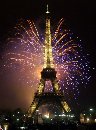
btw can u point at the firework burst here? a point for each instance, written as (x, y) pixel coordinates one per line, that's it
(25, 54)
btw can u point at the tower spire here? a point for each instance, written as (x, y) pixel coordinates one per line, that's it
(48, 58)
(47, 12)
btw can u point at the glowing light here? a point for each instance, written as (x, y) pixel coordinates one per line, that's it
(17, 119)
(46, 115)
(88, 119)
(6, 126)
(91, 109)
(84, 114)
(22, 128)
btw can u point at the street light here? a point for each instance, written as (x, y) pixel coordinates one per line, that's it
(91, 109)
(17, 119)
(88, 119)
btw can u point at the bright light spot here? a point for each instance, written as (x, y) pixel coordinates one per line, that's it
(84, 114)
(88, 119)
(5, 127)
(46, 115)
(37, 110)
(17, 119)
(91, 109)
(63, 115)
(72, 116)
(22, 128)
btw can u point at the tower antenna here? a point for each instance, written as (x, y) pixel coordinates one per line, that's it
(47, 12)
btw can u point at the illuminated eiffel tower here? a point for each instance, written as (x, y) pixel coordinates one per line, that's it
(48, 74)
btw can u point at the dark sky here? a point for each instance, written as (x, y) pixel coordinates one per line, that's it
(80, 17)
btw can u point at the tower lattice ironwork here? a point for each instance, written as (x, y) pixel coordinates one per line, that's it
(48, 74)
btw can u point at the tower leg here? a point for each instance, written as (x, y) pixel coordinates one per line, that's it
(35, 102)
(56, 86)
(57, 91)
(41, 86)
(65, 106)
(32, 108)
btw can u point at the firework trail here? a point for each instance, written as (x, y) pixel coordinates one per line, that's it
(25, 52)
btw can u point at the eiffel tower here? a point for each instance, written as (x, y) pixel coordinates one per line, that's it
(48, 74)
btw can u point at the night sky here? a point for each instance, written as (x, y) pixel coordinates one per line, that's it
(80, 18)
